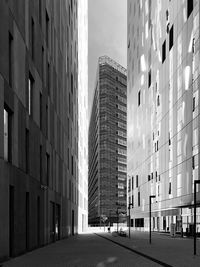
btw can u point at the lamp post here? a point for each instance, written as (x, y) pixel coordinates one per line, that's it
(129, 218)
(150, 197)
(195, 206)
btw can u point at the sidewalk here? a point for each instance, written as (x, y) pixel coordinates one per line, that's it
(174, 251)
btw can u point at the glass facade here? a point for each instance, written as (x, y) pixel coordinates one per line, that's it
(163, 110)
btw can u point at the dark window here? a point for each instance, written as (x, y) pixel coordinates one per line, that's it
(136, 181)
(152, 175)
(138, 199)
(171, 37)
(27, 150)
(32, 38)
(158, 101)
(193, 109)
(132, 200)
(170, 188)
(164, 51)
(132, 182)
(139, 98)
(189, 7)
(40, 111)
(47, 29)
(40, 12)
(43, 63)
(47, 168)
(10, 59)
(48, 77)
(72, 165)
(40, 164)
(47, 120)
(30, 94)
(149, 177)
(72, 83)
(149, 79)
(7, 134)
(193, 165)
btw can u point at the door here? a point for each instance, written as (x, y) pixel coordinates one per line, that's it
(52, 222)
(57, 224)
(27, 220)
(72, 222)
(11, 221)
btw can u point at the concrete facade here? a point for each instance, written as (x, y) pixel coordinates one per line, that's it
(107, 145)
(163, 112)
(38, 123)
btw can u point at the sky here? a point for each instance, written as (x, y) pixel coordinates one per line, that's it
(107, 35)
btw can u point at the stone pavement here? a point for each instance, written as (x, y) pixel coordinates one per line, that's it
(86, 250)
(174, 251)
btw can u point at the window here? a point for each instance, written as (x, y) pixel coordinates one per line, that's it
(193, 109)
(138, 199)
(32, 38)
(72, 165)
(47, 120)
(193, 165)
(149, 177)
(164, 51)
(47, 29)
(27, 150)
(30, 94)
(189, 7)
(47, 168)
(132, 182)
(158, 100)
(40, 164)
(43, 63)
(40, 12)
(7, 135)
(40, 111)
(136, 181)
(72, 83)
(139, 98)
(170, 188)
(149, 79)
(48, 77)
(10, 59)
(171, 37)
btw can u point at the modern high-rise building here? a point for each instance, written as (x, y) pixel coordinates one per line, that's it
(107, 145)
(163, 112)
(38, 123)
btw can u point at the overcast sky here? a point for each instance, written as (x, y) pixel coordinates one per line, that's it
(107, 35)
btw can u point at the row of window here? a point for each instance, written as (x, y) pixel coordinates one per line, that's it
(8, 132)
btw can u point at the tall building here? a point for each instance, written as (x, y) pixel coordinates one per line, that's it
(163, 112)
(83, 115)
(38, 123)
(107, 145)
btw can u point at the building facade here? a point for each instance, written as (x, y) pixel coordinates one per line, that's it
(163, 112)
(107, 145)
(38, 123)
(83, 115)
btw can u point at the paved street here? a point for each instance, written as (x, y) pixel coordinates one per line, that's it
(174, 251)
(86, 250)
